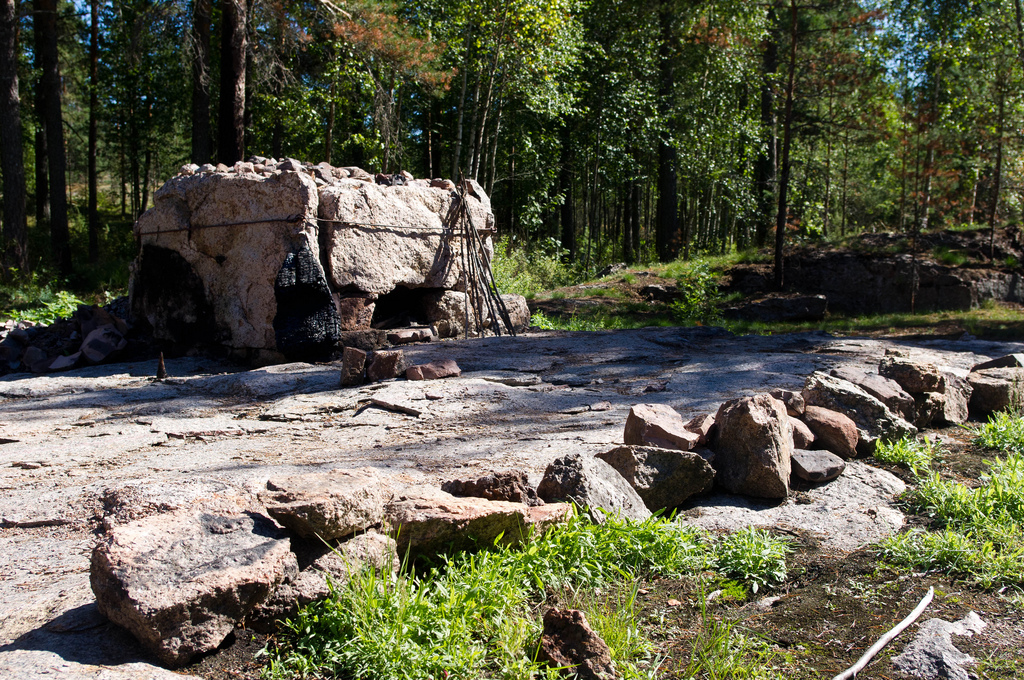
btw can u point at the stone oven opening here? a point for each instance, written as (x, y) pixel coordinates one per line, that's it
(403, 307)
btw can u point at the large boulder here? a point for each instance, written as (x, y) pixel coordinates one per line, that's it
(659, 426)
(377, 238)
(218, 252)
(427, 520)
(327, 504)
(753, 447)
(663, 478)
(591, 483)
(873, 418)
(996, 389)
(181, 581)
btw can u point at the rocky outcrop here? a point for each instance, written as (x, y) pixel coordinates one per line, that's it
(753, 447)
(181, 581)
(377, 238)
(276, 260)
(329, 504)
(663, 478)
(211, 250)
(591, 483)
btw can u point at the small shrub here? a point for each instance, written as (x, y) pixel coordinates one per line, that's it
(525, 272)
(699, 301)
(59, 305)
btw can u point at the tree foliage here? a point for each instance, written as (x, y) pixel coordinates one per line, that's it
(609, 130)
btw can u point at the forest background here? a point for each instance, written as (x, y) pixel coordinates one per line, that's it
(604, 130)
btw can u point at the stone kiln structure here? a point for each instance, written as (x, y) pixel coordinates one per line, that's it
(276, 260)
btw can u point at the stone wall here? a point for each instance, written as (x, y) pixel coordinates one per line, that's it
(275, 260)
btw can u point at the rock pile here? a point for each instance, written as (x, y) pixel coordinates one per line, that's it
(183, 568)
(180, 568)
(91, 336)
(281, 259)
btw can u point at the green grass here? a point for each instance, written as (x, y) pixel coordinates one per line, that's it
(596, 321)
(478, 615)
(991, 321)
(979, 531)
(1004, 431)
(916, 456)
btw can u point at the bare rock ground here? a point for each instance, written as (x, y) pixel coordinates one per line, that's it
(520, 403)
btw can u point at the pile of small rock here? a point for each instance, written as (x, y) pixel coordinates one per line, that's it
(91, 336)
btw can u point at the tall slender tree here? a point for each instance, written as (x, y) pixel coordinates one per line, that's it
(201, 81)
(94, 60)
(13, 253)
(231, 121)
(47, 23)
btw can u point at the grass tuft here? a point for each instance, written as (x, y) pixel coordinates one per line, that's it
(980, 531)
(912, 454)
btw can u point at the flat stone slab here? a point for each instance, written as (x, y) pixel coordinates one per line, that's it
(817, 466)
(849, 513)
(328, 504)
(425, 519)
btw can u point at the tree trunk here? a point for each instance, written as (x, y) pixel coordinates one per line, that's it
(457, 153)
(766, 166)
(471, 154)
(42, 175)
(147, 164)
(568, 217)
(668, 208)
(46, 16)
(12, 166)
(201, 10)
(231, 121)
(787, 134)
(998, 177)
(94, 56)
(329, 135)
